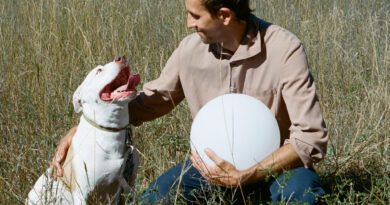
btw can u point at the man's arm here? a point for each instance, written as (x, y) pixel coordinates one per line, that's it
(284, 158)
(62, 150)
(159, 96)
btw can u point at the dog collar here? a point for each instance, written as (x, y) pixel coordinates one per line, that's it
(108, 129)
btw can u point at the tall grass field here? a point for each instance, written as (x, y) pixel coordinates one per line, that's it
(48, 46)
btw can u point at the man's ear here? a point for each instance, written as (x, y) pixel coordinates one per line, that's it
(226, 15)
(77, 99)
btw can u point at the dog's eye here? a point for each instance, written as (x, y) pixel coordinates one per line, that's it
(98, 71)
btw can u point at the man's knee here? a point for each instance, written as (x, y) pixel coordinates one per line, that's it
(298, 185)
(182, 176)
(159, 190)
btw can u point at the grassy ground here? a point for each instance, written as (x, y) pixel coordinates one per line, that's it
(47, 46)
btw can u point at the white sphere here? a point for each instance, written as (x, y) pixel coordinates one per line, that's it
(238, 128)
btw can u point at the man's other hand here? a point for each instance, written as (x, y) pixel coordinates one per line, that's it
(60, 155)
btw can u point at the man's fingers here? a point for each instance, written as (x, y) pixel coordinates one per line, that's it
(214, 174)
(56, 168)
(59, 159)
(194, 162)
(60, 155)
(198, 162)
(58, 171)
(61, 151)
(214, 157)
(200, 165)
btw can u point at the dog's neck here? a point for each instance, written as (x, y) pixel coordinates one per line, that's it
(111, 116)
(100, 127)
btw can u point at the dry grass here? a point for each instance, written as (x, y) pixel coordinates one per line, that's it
(47, 46)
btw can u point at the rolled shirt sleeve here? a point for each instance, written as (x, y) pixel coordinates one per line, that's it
(308, 133)
(159, 96)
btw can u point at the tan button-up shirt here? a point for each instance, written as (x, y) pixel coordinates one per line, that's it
(270, 64)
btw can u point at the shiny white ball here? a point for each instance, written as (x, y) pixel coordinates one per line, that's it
(238, 128)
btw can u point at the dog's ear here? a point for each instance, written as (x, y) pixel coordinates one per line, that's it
(77, 100)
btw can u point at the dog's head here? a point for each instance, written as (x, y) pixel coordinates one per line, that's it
(106, 89)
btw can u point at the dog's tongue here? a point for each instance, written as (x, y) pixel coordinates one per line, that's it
(123, 91)
(133, 81)
(127, 89)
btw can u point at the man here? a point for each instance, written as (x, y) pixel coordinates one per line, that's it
(233, 51)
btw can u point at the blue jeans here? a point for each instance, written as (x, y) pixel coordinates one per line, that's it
(185, 183)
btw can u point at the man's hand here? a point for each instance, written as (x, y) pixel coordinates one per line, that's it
(223, 174)
(62, 150)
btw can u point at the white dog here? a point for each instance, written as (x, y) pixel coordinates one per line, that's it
(93, 169)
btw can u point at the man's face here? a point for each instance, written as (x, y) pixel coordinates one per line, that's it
(207, 26)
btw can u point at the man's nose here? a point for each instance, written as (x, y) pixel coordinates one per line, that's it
(190, 21)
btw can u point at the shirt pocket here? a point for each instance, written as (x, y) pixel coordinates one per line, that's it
(265, 96)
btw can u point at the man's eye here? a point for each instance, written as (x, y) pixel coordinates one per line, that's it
(195, 16)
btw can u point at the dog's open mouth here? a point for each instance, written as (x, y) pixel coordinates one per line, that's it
(123, 86)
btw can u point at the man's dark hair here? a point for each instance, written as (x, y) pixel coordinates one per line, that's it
(239, 7)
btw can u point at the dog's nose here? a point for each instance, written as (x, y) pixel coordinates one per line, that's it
(120, 59)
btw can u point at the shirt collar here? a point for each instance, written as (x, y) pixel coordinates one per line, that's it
(250, 45)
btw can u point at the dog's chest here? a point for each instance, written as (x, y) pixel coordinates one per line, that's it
(98, 155)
